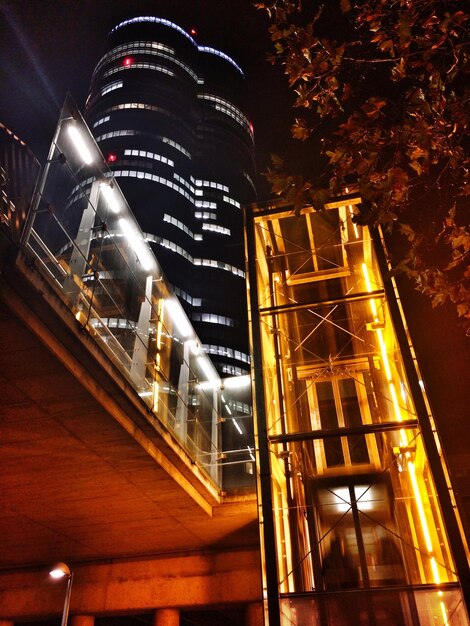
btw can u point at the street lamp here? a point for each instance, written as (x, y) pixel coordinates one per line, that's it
(61, 570)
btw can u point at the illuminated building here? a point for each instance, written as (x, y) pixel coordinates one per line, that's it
(167, 115)
(18, 172)
(358, 519)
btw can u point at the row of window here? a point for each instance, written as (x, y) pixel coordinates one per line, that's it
(205, 215)
(231, 370)
(101, 120)
(150, 155)
(221, 266)
(139, 66)
(240, 407)
(187, 297)
(229, 109)
(125, 48)
(232, 201)
(177, 177)
(210, 183)
(138, 105)
(147, 47)
(184, 182)
(216, 229)
(126, 133)
(79, 191)
(228, 352)
(117, 84)
(165, 22)
(154, 178)
(205, 204)
(176, 145)
(212, 318)
(171, 245)
(196, 236)
(172, 220)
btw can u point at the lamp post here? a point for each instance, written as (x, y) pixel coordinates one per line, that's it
(61, 570)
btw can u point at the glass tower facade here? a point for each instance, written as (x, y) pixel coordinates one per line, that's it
(167, 115)
(358, 521)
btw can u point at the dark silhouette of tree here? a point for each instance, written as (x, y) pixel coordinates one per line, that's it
(384, 91)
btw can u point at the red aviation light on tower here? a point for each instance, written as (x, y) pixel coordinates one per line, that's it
(111, 158)
(128, 61)
(193, 32)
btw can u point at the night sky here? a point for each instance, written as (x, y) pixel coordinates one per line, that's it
(50, 47)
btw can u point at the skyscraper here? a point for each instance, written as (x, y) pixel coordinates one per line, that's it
(167, 115)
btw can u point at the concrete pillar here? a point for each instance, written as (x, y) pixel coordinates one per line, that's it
(254, 614)
(81, 620)
(166, 617)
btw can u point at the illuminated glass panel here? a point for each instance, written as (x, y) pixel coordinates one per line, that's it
(355, 506)
(216, 229)
(228, 352)
(148, 48)
(226, 107)
(205, 215)
(232, 201)
(172, 220)
(111, 87)
(139, 66)
(149, 155)
(212, 318)
(211, 184)
(101, 120)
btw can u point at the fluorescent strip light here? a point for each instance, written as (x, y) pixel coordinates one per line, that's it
(110, 197)
(178, 317)
(138, 244)
(207, 368)
(80, 144)
(234, 382)
(237, 426)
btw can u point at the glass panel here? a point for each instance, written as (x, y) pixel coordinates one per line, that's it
(329, 419)
(380, 608)
(357, 444)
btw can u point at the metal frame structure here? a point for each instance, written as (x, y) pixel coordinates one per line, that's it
(356, 512)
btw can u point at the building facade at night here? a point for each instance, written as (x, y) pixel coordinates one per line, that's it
(167, 115)
(359, 518)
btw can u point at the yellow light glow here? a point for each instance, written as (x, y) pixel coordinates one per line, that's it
(373, 308)
(404, 441)
(396, 405)
(160, 324)
(423, 520)
(444, 612)
(383, 351)
(156, 391)
(365, 272)
(351, 213)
